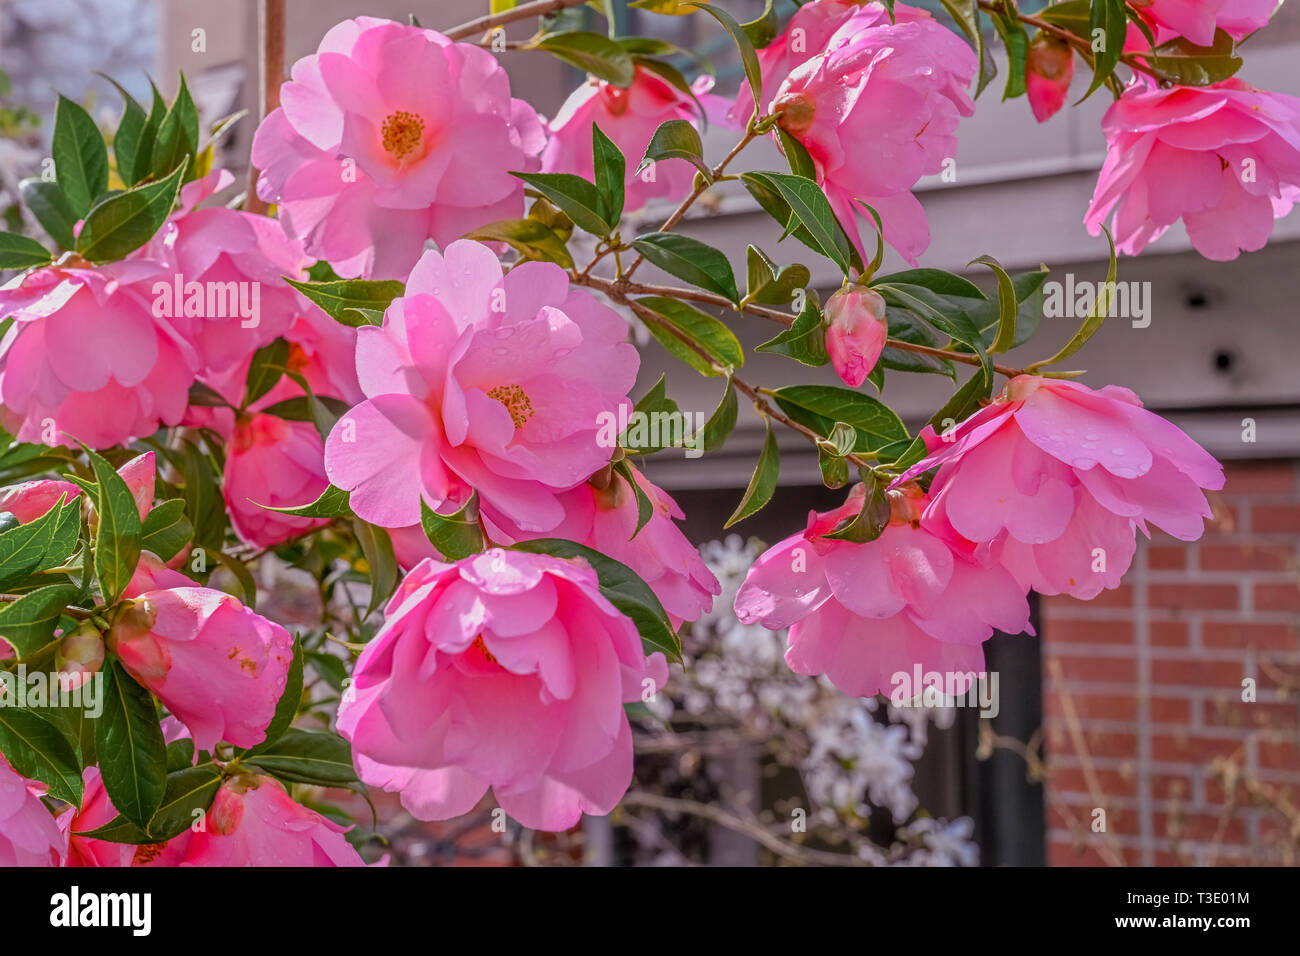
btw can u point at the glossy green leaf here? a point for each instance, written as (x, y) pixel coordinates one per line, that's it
(117, 541)
(19, 252)
(46, 201)
(577, 198)
(28, 622)
(455, 535)
(342, 299)
(80, 156)
(687, 324)
(132, 752)
(819, 407)
(690, 260)
(308, 756)
(38, 749)
(592, 52)
(676, 139)
(762, 484)
(126, 221)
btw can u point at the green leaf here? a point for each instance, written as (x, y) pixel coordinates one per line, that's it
(332, 503)
(529, 237)
(812, 209)
(49, 205)
(804, 341)
(762, 484)
(966, 13)
(610, 169)
(592, 52)
(456, 535)
(576, 198)
(80, 157)
(705, 332)
(132, 752)
(187, 789)
(178, 136)
(166, 530)
(676, 139)
(936, 280)
(1007, 305)
(1190, 65)
(819, 407)
(180, 754)
(768, 285)
(28, 623)
(267, 367)
(19, 252)
(341, 299)
(645, 508)
(127, 138)
(690, 260)
(117, 542)
(722, 422)
(1091, 323)
(748, 58)
(623, 588)
(1016, 40)
(39, 750)
(654, 403)
(963, 402)
(869, 523)
(242, 575)
(308, 756)
(144, 154)
(1108, 16)
(27, 548)
(835, 470)
(932, 309)
(286, 709)
(123, 223)
(377, 548)
(874, 264)
(763, 29)
(797, 155)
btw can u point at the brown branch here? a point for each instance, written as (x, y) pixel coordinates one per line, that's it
(480, 25)
(271, 68)
(1078, 42)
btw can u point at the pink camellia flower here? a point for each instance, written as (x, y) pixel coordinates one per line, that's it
(225, 289)
(254, 822)
(277, 463)
(479, 381)
(1197, 20)
(96, 810)
(390, 135)
(875, 103)
(1052, 478)
(1049, 70)
(1224, 158)
(864, 613)
(214, 663)
(505, 670)
(29, 835)
(32, 499)
(629, 117)
(856, 333)
(85, 358)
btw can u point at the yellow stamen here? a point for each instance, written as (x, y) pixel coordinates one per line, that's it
(402, 134)
(516, 401)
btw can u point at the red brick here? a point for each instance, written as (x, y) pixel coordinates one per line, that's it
(1114, 670)
(1121, 596)
(1248, 634)
(1097, 706)
(1080, 631)
(1111, 783)
(1171, 786)
(1170, 710)
(1261, 478)
(1274, 519)
(1185, 748)
(1226, 520)
(1192, 597)
(1249, 556)
(1277, 597)
(1061, 852)
(1197, 673)
(1168, 634)
(1167, 558)
(1199, 827)
(1279, 754)
(1234, 712)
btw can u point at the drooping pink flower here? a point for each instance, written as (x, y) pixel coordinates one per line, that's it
(875, 103)
(629, 117)
(1197, 20)
(225, 286)
(254, 822)
(505, 670)
(390, 135)
(1224, 158)
(214, 663)
(1049, 70)
(479, 381)
(29, 835)
(856, 333)
(1052, 479)
(863, 613)
(277, 463)
(96, 810)
(32, 499)
(85, 358)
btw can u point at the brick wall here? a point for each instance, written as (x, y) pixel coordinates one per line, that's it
(1144, 715)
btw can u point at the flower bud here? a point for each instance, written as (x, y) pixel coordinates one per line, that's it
(80, 653)
(796, 110)
(1049, 68)
(856, 332)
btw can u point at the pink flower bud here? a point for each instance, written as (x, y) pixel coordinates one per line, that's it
(856, 333)
(1049, 68)
(81, 653)
(797, 111)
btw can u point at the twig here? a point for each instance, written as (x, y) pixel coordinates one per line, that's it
(538, 8)
(271, 67)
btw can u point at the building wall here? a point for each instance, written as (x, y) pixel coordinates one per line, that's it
(1145, 712)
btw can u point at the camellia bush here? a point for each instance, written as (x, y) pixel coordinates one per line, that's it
(401, 370)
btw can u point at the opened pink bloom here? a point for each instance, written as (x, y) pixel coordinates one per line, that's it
(479, 381)
(876, 104)
(856, 333)
(277, 463)
(1223, 158)
(29, 835)
(863, 613)
(1053, 478)
(96, 810)
(505, 670)
(1197, 20)
(390, 135)
(214, 663)
(32, 499)
(86, 358)
(226, 287)
(629, 117)
(254, 822)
